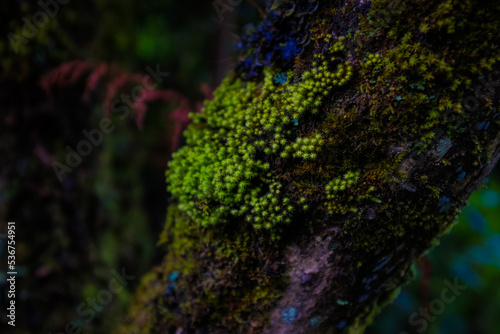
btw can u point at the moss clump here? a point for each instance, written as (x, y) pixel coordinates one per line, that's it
(344, 195)
(226, 169)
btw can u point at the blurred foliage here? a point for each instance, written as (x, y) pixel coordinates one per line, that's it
(107, 213)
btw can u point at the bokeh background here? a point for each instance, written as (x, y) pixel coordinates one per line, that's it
(107, 213)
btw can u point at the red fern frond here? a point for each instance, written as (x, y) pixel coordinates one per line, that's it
(65, 75)
(114, 81)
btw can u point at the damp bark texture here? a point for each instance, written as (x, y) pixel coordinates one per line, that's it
(344, 143)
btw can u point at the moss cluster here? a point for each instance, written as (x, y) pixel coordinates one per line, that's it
(225, 169)
(305, 148)
(341, 184)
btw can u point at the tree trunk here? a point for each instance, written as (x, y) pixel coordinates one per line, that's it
(342, 146)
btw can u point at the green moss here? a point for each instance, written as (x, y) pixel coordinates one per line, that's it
(353, 145)
(322, 129)
(226, 169)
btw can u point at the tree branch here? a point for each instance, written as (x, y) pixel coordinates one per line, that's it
(343, 145)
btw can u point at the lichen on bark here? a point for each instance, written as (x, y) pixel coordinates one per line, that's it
(338, 151)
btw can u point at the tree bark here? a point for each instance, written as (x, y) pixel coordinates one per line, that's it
(409, 130)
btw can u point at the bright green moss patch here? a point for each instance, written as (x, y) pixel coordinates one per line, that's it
(226, 169)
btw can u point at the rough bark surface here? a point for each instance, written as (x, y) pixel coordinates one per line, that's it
(369, 122)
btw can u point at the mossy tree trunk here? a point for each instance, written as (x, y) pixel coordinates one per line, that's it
(342, 146)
